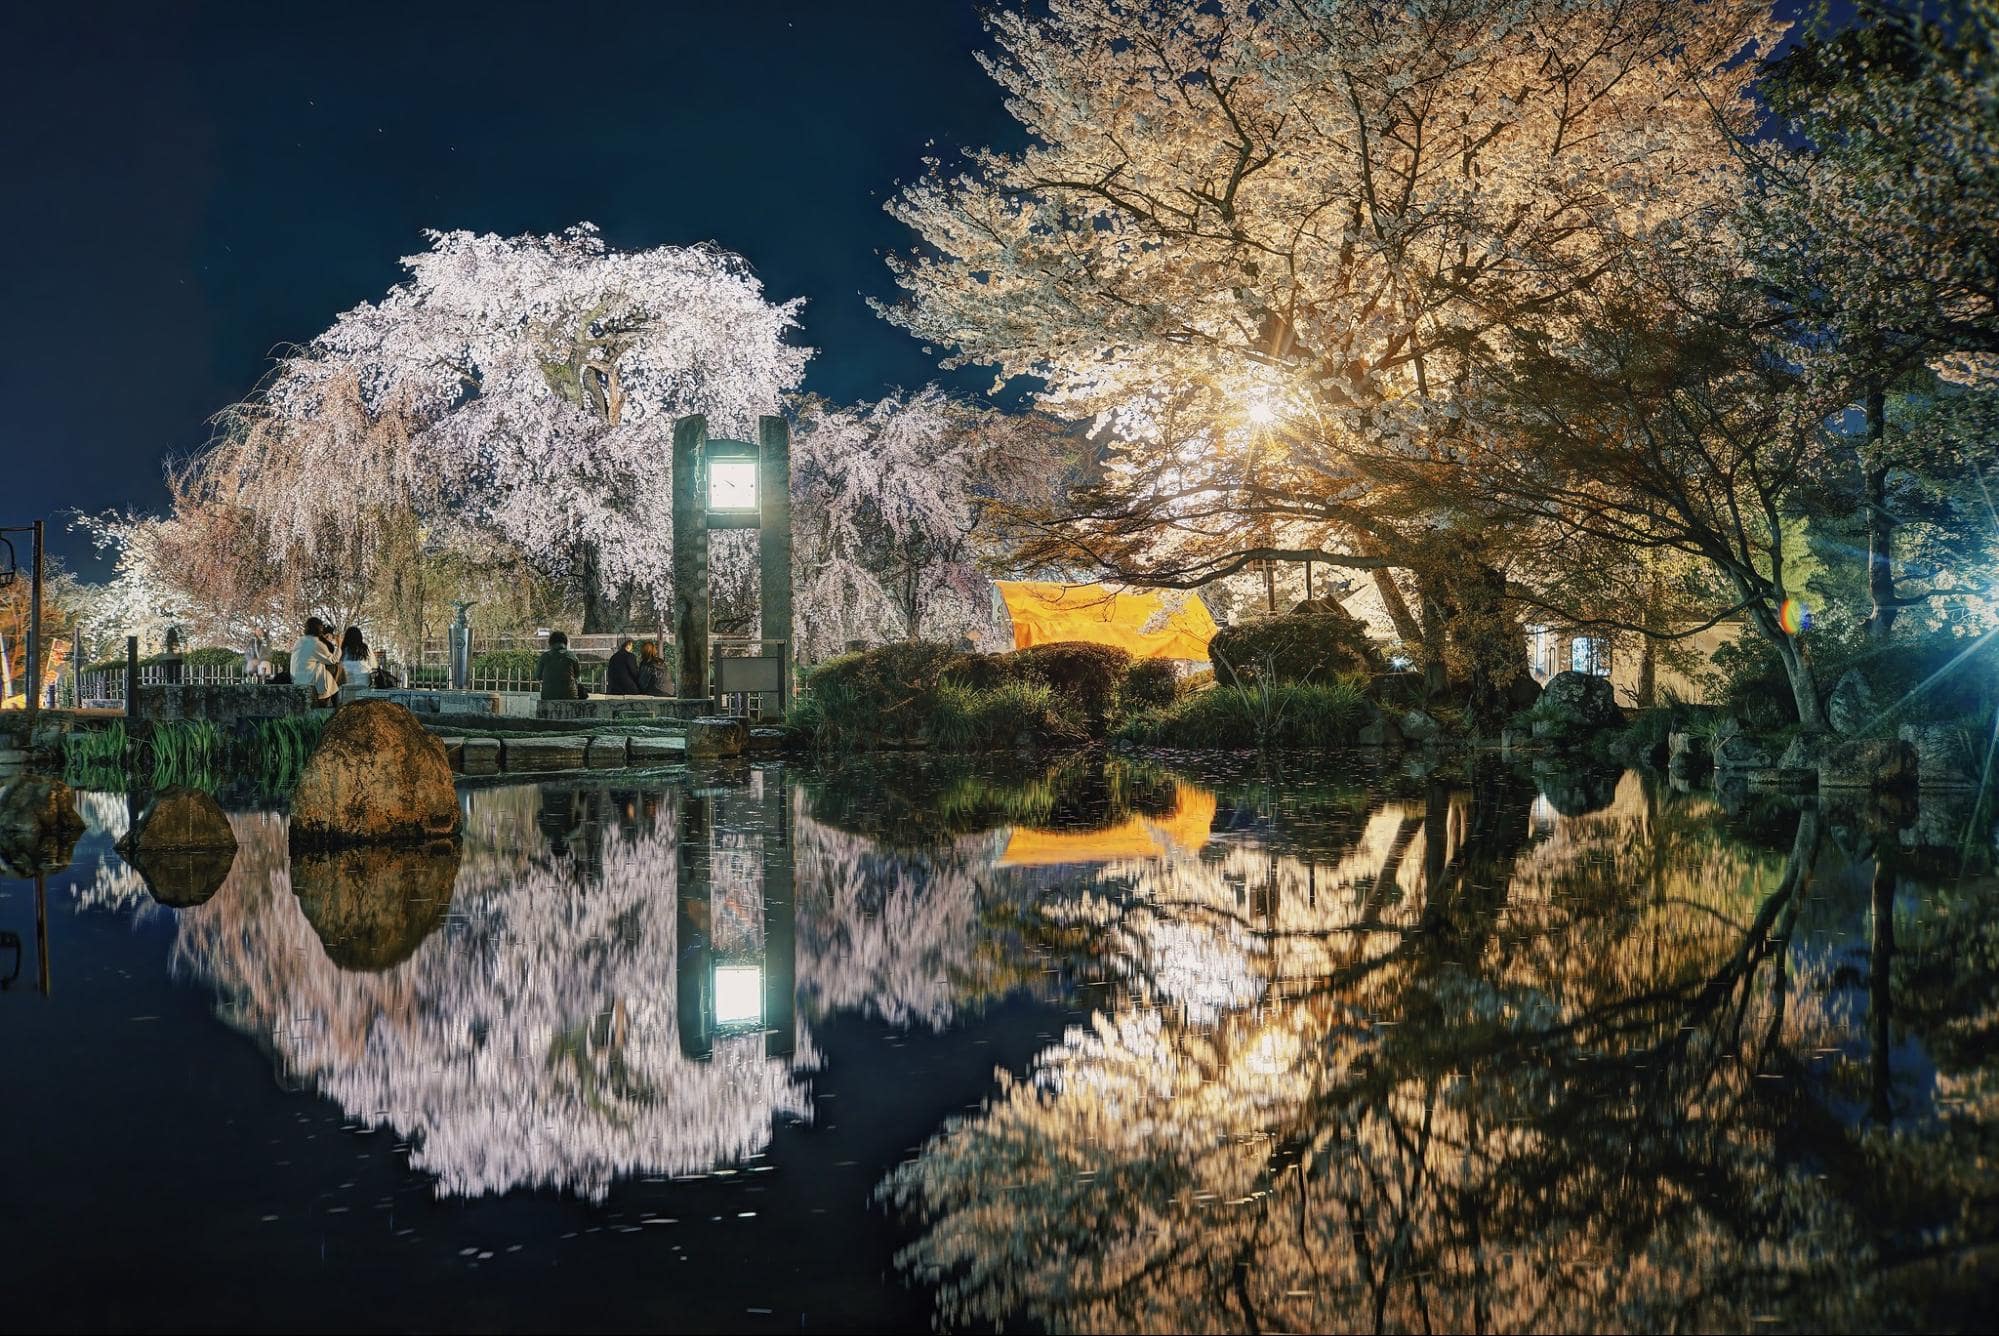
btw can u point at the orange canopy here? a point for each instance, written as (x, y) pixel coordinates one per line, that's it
(1185, 827)
(1137, 621)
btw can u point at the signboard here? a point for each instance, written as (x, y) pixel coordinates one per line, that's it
(758, 674)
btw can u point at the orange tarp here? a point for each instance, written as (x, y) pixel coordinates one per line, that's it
(1134, 620)
(1185, 827)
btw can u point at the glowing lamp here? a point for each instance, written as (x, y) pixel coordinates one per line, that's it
(739, 995)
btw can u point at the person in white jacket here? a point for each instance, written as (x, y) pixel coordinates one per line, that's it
(314, 662)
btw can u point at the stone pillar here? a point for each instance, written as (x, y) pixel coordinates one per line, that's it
(131, 677)
(780, 917)
(774, 542)
(690, 555)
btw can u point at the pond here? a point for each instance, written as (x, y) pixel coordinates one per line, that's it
(1082, 1044)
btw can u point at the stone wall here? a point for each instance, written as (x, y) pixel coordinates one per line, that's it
(224, 704)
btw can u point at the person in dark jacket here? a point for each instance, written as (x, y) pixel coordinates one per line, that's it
(560, 671)
(622, 679)
(652, 671)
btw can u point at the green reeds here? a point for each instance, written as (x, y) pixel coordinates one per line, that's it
(186, 752)
(279, 748)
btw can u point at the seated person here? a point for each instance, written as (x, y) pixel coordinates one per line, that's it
(560, 671)
(652, 671)
(316, 664)
(622, 679)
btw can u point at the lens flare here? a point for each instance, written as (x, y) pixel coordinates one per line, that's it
(1794, 617)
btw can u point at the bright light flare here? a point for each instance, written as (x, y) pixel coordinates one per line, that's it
(739, 995)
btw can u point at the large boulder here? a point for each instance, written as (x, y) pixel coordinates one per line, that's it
(179, 818)
(38, 823)
(1523, 693)
(1945, 755)
(182, 847)
(376, 777)
(1868, 763)
(1417, 726)
(372, 907)
(714, 737)
(1579, 702)
(1741, 751)
(1852, 706)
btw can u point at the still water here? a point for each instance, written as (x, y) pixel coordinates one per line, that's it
(1086, 1045)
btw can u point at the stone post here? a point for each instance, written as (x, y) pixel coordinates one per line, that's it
(459, 640)
(131, 677)
(774, 544)
(690, 555)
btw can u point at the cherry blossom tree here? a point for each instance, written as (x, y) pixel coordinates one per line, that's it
(890, 499)
(1263, 245)
(543, 376)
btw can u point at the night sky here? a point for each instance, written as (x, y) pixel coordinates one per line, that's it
(191, 186)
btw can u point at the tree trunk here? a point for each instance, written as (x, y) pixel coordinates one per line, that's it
(1804, 685)
(1398, 607)
(596, 612)
(1647, 692)
(1436, 677)
(1880, 524)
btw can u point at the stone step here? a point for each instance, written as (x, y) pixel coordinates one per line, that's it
(539, 752)
(606, 753)
(652, 751)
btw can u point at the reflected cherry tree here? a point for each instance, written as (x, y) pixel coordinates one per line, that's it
(530, 1039)
(1479, 1067)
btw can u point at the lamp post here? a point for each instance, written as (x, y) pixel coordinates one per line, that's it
(728, 484)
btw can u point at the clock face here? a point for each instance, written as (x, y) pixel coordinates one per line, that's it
(732, 484)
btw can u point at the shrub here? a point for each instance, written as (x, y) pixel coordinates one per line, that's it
(1150, 685)
(505, 664)
(1296, 647)
(877, 696)
(1282, 716)
(1087, 675)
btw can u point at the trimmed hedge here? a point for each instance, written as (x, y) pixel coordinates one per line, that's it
(1088, 676)
(921, 693)
(1152, 684)
(208, 656)
(1295, 647)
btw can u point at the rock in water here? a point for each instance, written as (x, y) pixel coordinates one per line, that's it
(1580, 701)
(1851, 706)
(179, 818)
(184, 878)
(712, 737)
(373, 907)
(38, 823)
(376, 777)
(1419, 727)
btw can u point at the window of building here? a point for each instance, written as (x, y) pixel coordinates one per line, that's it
(1590, 654)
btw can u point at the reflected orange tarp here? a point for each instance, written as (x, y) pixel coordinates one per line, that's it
(1044, 612)
(1186, 827)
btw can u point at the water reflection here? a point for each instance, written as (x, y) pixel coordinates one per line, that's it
(1360, 1052)
(1444, 1074)
(530, 1039)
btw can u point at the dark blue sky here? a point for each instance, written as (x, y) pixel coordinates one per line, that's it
(191, 185)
